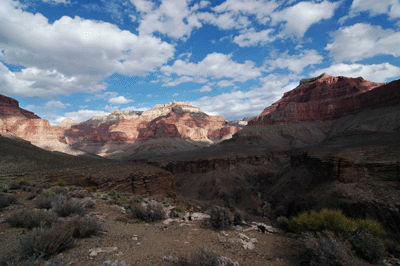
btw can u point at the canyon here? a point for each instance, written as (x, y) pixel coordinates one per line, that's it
(330, 142)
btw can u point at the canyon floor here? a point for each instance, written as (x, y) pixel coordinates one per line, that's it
(147, 243)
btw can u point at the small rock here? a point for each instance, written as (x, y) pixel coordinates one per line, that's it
(94, 251)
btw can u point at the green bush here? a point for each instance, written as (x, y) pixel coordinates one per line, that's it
(24, 182)
(91, 189)
(179, 209)
(61, 183)
(48, 193)
(113, 193)
(334, 221)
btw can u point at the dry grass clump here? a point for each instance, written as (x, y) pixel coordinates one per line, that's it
(43, 242)
(368, 246)
(201, 257)
(83, 227)
(4, 187)
(43, 202)
(220, 217)
(30, 218)
(324, 249)
(149, 213)
(6, 200)
(65, 206)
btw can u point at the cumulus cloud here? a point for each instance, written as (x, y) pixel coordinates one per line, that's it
(173, 18)
(119, 100)
(205, 88)
(390, 7)
(57, 1)
(252, 38)
(225, 83)
(35, 82)
(77, 48)
(84, 115)
(239, 104)
(295, 63)
(177, 81)
(361, 41)
(301, 16)
(54, 104)
(215, 65)
(376, 72)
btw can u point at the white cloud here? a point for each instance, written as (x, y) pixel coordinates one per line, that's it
(301, 16)
(252, 38)
(225, 83)
(175, 94)
(224, 21)
(376, 72)
(54, 104)
(239, 104)
(84, 115)
(173, 18)
(374, 7)
(295, 63)
(205, 88)
(215, 65)
(361, 41)
(177, 81)
(119, 100)
(260, 8)
(79, 49)
(34, 82)
(57, 1)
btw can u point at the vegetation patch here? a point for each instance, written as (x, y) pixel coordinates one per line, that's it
(65, 206)
(220, 217)
(83, 227)
(6, 200)
(30, 218)
(44, 242)
(149, 213)
(201, 257)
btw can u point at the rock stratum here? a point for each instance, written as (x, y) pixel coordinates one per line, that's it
(167, 128)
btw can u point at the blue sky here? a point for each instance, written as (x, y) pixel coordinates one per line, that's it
(78, 59)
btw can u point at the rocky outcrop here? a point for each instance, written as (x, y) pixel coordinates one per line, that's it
(167, 128)
(10, 108)
(324, 97)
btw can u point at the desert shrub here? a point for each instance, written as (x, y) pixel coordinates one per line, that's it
(220, 217)
(24, 182)
(12, 261)
(335, 221)
(31, 196)
(373, 226)
(120, 201)
(148, 213)
(48, 193)
(323, 249)
(30, 218)
(83, 227)
(91, 189)
(6, 200)
(368, 246)
(283, 222)
(112, 193)
(14, 186)
(43, 242)
(43, 202)
(202, 257)
(115, 263)
(59, 190)
(237, 218)
(65, 206)
(179, 209)
(326, 219)
(4, 187)
(88, 203)
(61, 183)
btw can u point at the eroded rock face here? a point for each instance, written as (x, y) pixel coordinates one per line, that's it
(167, 128)
(10, 108)
(324, 97)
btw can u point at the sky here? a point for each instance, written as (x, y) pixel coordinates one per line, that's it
(84, 58)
